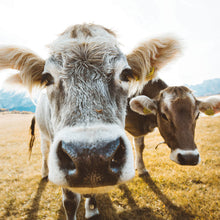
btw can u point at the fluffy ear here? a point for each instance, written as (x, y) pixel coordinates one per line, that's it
(152, 55)
(30, 66)
(210, 106)
(143, 105)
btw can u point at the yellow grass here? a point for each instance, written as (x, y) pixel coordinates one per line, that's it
(170, 192)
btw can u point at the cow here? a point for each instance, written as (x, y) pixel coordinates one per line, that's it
(85, 84)
(174, 110)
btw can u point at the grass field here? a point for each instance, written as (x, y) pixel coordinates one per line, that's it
(170, 192)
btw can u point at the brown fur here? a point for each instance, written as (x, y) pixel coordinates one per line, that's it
(178, 130)
(86, 32)
(178, 91)
(32, 130)
(140, 125)
(84, 29)
(30, 65)
(154, 53)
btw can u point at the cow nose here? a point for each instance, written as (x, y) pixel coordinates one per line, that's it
(92, 164)
(188, 159)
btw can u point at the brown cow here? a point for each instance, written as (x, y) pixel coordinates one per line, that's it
(174, 110)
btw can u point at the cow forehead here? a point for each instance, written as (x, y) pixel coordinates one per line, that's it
(86, 33)
(86, 45)
(86, 66)
(184, 97)
(87, 55)
(87, 30)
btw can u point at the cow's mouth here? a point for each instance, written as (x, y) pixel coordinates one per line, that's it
(185, 157)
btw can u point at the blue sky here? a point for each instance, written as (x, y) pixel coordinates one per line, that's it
(196, 23)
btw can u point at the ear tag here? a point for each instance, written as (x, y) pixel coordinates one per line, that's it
(136, 77)
(146, 111)
(151, 73)
(209, 111)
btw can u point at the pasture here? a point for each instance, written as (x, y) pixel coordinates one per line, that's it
(170, 192)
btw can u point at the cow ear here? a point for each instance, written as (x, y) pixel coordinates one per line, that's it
(30, 66)
(210, 106)
(152, 55)
(143, 105)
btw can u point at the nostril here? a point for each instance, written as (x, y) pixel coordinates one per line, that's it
(195, 160)
(188, 159)
(118, 159)
(181, 158)
(65, 159)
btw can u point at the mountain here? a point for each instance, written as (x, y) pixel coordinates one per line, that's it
(20, 102)
(206, 88)
(12, 101)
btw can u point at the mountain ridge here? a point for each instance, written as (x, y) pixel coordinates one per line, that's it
(21, 102)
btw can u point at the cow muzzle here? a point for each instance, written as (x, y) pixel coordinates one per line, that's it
(185, 157)
(95, 165)
(87, 160)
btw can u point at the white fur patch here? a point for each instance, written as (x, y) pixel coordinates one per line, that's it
(173, 154)
(78, 198)
(169, 97)
(90, 134)
(139, 103)
(100, 36)
(55, 174)
(120, 65)
(90, 212)
(193, 100)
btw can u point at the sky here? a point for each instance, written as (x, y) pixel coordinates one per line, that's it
(196, 23)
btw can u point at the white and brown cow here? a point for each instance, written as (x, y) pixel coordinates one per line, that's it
(81, 113)
(174, 110)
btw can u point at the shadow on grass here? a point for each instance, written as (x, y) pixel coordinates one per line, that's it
(178, 213)
(32, 212)
(9, 208)
(80, 211)
(135, 212)
(109, 212)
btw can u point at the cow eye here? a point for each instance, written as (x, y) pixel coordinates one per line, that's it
(47, 79)
(164, 116)
(126, 74)
(197, 116)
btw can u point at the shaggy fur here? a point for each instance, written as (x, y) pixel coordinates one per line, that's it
(30, 65)
(154, 53)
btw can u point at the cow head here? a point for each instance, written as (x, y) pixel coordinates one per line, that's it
(177, 110)
(88, 80)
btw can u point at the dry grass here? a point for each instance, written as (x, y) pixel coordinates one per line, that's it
(170, 192)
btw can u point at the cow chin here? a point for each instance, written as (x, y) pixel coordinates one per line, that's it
(95, 190)
(91, 159)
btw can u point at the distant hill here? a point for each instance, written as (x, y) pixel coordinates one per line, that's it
(206, 88)
(20, 102)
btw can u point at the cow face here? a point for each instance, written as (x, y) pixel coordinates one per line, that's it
(90, 152)
(88, 80)
(177, 111)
